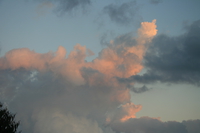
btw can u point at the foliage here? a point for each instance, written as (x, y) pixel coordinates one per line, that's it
(7, 121)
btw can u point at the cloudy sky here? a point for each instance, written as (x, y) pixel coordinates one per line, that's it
(101, 66)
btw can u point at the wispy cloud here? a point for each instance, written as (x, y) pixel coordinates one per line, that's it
(122, 14)
(68, 6)
(155, 1)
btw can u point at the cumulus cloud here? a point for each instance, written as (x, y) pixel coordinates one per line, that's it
(121, 14)
(173, 59)
(52, 92)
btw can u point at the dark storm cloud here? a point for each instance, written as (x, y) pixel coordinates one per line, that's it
(122, 14)
(155, 1)
(173, 59)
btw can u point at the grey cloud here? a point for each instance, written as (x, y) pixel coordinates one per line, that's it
(122, 14)
(173, 59)
(70, 5)
(106, 37)
(42, 100)
(150, 125)
(126, 39)
(140, 89)
(155, 1)
(192, 126)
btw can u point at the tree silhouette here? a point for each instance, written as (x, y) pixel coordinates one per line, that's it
(7, 122)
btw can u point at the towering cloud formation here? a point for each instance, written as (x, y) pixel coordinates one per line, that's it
(54, 93)
(116, 60)
(72, 87)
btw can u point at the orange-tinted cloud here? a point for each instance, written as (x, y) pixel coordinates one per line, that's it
(24, 58)
(123, 113)
(130, 110)
(147, 30)
(114, 61)
(86, 89)
(122, 61)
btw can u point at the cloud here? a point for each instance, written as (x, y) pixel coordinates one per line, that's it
(153, 125)
(121, 14)
(123, 113)
(25, 58)
(173, 59)
(127, 39)
(192, 126)
(43, 8)
(43, 99)
(52, 92)
(149, 125)
(104, 38)
(139, 89)
(56, 121)
(155, 1)
(129, 109)
(70, 5)
(65, 6)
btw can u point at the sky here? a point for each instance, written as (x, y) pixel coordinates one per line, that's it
(107, 66)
